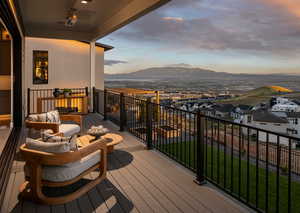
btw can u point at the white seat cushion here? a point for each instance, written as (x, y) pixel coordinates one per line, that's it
(69, 129)
(68, 171)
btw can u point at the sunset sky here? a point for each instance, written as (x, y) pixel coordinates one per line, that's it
(238, 36)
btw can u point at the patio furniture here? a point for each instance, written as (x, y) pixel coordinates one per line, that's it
(34, 122)
(60, 167)
(111, 140)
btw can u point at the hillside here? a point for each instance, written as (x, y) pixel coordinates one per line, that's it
(259, 95)
(267, 91)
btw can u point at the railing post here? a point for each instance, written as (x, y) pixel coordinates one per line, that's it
(105, 103)
(122, 112)
(95, 100)
(200, 178)
(149, 114)
(86, 91)
(28, 101)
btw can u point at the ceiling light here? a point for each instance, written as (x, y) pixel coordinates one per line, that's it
(85, 1)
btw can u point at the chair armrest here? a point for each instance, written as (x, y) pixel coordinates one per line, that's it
(57, 159)
(100, 144)
(60, 134)
(75, 118)
(42, 125)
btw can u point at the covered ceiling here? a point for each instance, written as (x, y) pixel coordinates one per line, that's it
(97, 18)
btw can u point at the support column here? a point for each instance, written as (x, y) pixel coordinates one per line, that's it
(92, 72)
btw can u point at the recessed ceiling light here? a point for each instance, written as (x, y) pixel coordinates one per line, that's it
(85, 1)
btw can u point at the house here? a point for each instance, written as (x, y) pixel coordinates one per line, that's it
(240, 110)
(280, 104)
(294, 123)
(269, 121)
(223, 110)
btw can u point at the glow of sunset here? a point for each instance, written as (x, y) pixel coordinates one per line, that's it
(292, 6)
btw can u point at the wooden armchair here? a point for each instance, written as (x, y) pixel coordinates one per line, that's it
(54, 126)
(37, 161)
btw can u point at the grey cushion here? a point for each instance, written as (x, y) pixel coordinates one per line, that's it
(68, 171)
(52, 147)
(69, 129)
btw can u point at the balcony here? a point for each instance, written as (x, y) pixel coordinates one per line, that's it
(138, 180)
(165, 151)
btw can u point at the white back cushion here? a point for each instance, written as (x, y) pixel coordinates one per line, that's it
(50, 117)
(51, 147)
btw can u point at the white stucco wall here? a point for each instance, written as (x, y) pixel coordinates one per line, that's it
(69, 63)
(99, 72)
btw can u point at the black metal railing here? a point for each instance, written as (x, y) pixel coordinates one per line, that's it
(45, 100)
(258, 167)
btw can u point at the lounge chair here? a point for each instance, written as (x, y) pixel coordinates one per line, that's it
(41, 121)
(60, 167)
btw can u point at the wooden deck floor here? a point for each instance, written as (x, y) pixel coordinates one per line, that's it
(138, 180)
(4, 133)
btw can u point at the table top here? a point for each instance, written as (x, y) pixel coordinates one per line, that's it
(113, 139)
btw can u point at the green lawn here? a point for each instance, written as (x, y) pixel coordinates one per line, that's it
(235, 180)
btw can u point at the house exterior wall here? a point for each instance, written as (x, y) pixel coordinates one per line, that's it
(99, 72)
(68, 66)
(287, 107)
(273, 127)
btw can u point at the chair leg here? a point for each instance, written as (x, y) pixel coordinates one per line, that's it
(33, 190)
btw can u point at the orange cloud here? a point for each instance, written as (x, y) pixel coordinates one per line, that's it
(293, 6)
(176, 19)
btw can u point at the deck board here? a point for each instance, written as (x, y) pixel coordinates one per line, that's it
(137, 180)
(4, 134)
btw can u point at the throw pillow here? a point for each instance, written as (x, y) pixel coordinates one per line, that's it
(47, 136)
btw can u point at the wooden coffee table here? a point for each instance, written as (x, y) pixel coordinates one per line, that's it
(113, 139)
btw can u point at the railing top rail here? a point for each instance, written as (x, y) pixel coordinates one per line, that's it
(81, 88)
(169, 107)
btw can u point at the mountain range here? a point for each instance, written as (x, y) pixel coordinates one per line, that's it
(192, 74)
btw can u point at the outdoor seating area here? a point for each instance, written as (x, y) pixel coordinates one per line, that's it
(53, 120)
(136, 180)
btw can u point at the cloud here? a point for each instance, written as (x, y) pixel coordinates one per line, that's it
(176, 19)
(292, 6)
(266, 26)
(113, 62)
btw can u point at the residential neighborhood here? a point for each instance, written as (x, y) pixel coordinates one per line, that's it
(280, 115)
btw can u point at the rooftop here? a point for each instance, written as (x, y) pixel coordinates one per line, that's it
(266, 116)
